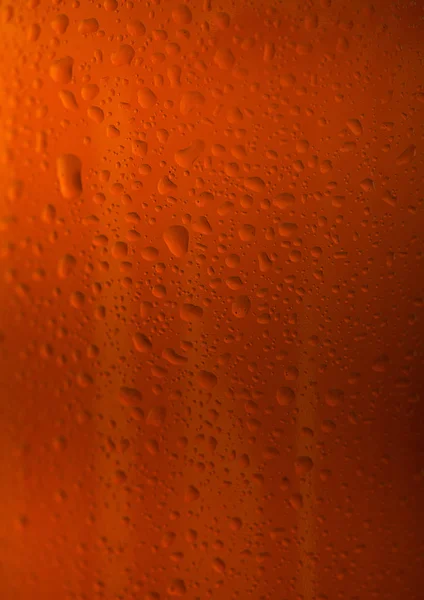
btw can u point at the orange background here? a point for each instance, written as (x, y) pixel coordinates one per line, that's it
(230, 409)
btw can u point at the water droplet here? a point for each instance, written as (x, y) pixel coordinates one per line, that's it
(68, 168)
(285, 396)
(61, 70)
(146, 98)
(176, 238)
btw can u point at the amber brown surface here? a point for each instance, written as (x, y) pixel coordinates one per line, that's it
(211, 293)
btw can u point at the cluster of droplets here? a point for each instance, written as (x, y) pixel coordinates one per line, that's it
(210, 237)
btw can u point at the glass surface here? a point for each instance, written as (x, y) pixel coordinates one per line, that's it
(211, 294)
